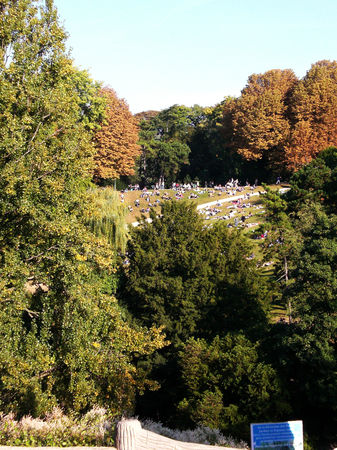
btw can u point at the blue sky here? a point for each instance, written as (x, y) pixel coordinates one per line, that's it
(156, 53)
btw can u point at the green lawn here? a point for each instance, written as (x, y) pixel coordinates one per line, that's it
(207, 196)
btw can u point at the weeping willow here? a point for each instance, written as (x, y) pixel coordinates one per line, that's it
(107, 218)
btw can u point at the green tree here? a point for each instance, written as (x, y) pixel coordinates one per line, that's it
(63, 337)
(178, 122)
(283, 243)
(162, 161)
(212, 157)
(188, 278)
(167, 278)
(304, 352)
(228, 386)
(193, 281)
(108, 216)
(164, 140)
(92, 104)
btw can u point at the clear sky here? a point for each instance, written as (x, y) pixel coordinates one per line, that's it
(156, 53)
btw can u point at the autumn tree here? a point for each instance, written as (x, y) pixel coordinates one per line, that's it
(284, 121)
(116, 141)
(313, 108)
(146, 115)
(259, 119)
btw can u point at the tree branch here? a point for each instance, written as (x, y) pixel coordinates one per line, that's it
(53, 247)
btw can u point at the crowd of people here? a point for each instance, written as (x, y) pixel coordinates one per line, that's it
(237, 212)
(231, 188)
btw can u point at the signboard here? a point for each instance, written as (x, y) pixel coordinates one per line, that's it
(277, 436)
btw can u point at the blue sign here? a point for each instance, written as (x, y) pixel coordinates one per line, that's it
(277, 436)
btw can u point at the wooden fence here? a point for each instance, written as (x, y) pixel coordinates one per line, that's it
(131, 436)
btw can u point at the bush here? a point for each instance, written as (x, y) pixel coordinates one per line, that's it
(57, 429)
(200, 435)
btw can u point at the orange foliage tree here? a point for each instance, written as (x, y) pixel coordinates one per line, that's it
(259, 119)
(116, 141)
(313, 108)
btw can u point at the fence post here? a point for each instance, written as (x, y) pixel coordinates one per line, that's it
(127, 430)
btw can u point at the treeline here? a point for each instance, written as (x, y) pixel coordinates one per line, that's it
(278, 124)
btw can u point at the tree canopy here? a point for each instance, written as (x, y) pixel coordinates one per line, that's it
(313, 114)
(64, 341)
(195, 282)
(304, 351)
(116, 140)
(260, 123)
(283, 120)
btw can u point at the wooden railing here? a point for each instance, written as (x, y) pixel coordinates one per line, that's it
(131, 436)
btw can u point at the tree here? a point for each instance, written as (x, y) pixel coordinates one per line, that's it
(116, 141)
(108, 216)
(162, 161)
(177, 122)
(283, 242)
(260, 117)
(165, 140)
(64, 341)
(167, 278)
(194, 281)
(228, 386)
(313, 115)
(146, 115)
(188, 278)
(92, 104)
(304, 352)
(212, 157)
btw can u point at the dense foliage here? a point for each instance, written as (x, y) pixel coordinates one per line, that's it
(304, 350)
(228, 385)
(64, 341)
(278, 124)
(196, 282)
(227, 365)
(116, 140)
(193, 280)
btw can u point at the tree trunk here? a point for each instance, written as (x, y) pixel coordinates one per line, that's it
(286, 277)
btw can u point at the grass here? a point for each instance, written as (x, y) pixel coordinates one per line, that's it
(131, 196)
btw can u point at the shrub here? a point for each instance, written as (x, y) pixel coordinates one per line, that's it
(200, 435)
(57, 429)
